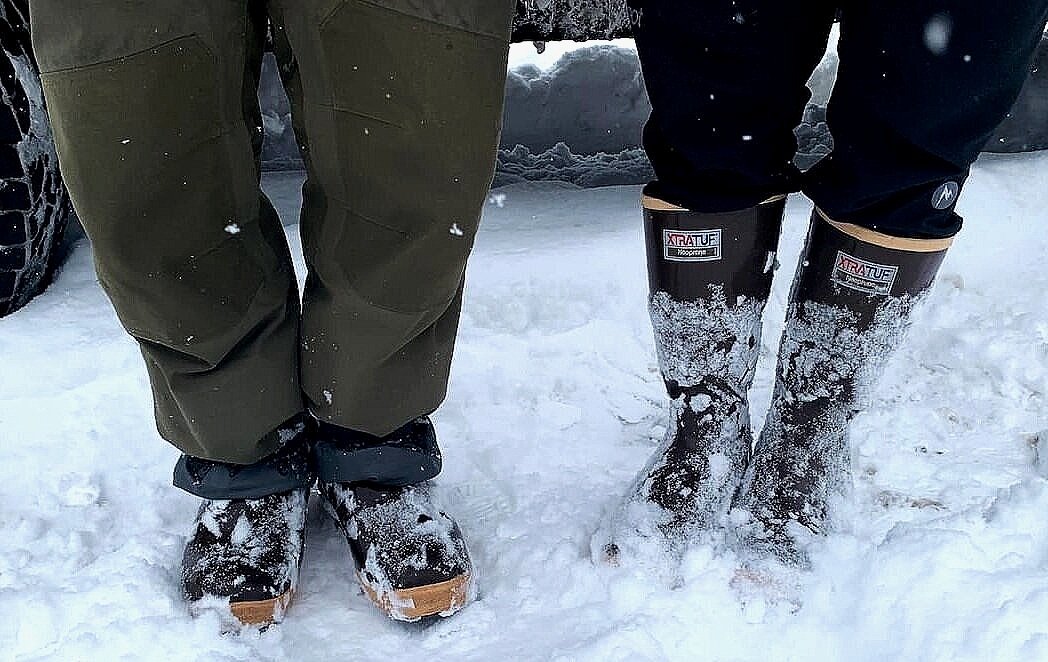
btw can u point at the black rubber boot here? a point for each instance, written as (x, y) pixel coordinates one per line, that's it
(246, 542)
(710, 277)
(849, 308)
(246, 552)
(410, 556)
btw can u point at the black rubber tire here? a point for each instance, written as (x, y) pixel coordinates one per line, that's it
(34, 205)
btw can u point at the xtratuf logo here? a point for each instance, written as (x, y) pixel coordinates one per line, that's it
(691, 245)
(863, 276)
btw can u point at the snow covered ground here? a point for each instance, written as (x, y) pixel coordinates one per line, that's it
(555, 403)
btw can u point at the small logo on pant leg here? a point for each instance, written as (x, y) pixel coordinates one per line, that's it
(691, 245)
(863, 276)
(945, 195)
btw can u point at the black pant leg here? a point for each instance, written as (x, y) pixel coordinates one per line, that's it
(727, 85)
(921, 86)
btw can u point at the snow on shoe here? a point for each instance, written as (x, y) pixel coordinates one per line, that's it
(244, 555)
(803, 461)
(690, 480)
(410, 556)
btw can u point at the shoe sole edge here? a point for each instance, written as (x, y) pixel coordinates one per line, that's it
(412, 604)
(262, 612)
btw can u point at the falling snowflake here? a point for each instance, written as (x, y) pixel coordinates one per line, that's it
(937, 33)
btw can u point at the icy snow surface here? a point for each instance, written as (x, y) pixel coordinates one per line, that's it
(555, 404)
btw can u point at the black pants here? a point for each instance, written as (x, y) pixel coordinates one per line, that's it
(921, 85)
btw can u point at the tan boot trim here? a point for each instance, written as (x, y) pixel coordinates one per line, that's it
(654, 204)
(886, 240)
(411, 604)
(262, 612)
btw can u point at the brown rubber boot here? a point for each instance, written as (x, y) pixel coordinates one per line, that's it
(710, 277)
(849, 308)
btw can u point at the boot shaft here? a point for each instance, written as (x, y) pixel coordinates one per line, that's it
(688, 252)
(851, 267)
(710, 277)
(850, 305)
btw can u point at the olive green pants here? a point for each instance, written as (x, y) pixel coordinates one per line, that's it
(397, 107)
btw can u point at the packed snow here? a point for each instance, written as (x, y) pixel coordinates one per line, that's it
(592, 98)
(555, 404)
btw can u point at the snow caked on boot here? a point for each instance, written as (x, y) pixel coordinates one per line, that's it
(247, 552)
(849, 308)
(246, 543)
(409, 555)
(710, 277)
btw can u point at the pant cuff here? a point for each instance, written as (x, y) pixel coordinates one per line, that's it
(407, 456)
(290, 467)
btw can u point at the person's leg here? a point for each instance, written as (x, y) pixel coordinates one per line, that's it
(920, 87)
(726, 81)
(397, 106)
(399, 109)
(727, 85)
(155, 139)
(154, 111)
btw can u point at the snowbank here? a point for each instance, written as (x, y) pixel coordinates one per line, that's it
(593, 100)
(279, 149)
(559, 163)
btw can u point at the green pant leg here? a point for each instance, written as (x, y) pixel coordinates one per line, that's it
(147, 99)
(399, 103)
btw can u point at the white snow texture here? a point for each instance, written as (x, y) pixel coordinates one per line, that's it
(555, 404)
